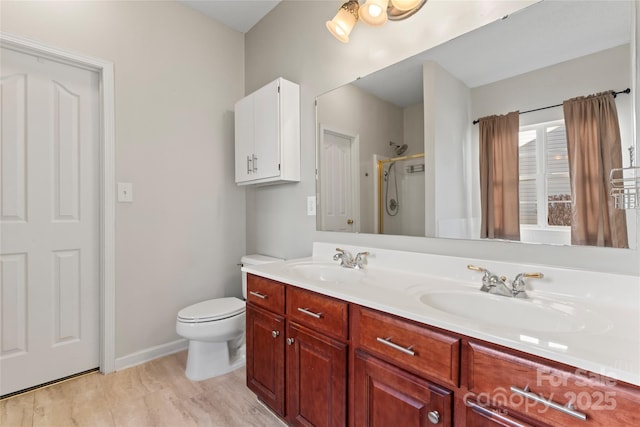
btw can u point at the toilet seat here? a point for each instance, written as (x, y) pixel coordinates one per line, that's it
(211, 310)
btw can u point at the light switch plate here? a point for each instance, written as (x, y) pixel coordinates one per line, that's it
(311, 205)
(125, 192)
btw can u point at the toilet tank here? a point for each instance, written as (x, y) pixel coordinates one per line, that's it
(255, 259)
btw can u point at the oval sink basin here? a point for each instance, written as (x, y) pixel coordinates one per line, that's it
(524, 314)
(327, 272)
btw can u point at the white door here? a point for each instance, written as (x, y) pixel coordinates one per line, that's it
(49, 219)
(338, 171)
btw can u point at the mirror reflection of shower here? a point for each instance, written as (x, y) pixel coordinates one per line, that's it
(400, 188)
(398, 149)
(391, 201)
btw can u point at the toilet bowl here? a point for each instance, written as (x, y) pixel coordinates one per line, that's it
(215, 330)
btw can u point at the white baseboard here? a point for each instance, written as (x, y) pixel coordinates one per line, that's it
(150, 353)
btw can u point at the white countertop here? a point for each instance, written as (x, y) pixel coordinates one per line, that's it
(394, 281)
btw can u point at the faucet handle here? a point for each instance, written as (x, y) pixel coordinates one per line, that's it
(361, 259)
(518, 285)
(532, 275)
(340, 250)
(475, 268)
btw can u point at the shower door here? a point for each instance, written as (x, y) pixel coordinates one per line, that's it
(401, 196)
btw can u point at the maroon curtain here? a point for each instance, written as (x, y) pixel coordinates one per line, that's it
(500, 177)
(594, 148)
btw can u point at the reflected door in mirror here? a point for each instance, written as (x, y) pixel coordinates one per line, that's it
(338, 163)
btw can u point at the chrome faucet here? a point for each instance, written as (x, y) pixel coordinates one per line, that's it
(495, 285)
(349, 261)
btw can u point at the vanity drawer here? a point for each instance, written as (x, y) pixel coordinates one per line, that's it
(495, 377)
(318, 312)
(415, 348)
(265, 293)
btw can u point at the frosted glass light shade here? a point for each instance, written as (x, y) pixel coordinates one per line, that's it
(405, 4)
(374, 12)
(342, 24)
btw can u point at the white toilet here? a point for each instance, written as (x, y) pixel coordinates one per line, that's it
(215, 330)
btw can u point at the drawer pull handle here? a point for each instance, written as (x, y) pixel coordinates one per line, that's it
(290, 341)
(258, 294)
(493, 414)
(387, 341)
(549, 403)
(275, 334)
(310, 313)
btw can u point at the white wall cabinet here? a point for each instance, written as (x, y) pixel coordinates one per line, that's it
(267, 132)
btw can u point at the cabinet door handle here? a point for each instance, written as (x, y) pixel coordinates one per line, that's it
(310, 313)
(568, 409)
(275, 334)
(433, 417)
(255, 163)
(249, 167)
(493, 415)
(290, 341)
(387, 341)
(258, 294)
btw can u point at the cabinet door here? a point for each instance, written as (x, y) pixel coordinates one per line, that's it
(316, 379)
(266, 132)
(244, 138)
(384, 395)
(265, 357)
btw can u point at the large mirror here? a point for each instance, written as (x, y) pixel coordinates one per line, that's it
(398, 152)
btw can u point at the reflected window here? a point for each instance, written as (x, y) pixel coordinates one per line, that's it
(545, 192)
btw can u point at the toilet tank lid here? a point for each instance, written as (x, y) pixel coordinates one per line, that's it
(257, 259)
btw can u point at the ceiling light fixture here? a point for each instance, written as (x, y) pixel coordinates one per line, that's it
(372, 12)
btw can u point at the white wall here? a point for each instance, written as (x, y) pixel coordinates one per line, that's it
(177, 76)
(447, 138)
(293, 42)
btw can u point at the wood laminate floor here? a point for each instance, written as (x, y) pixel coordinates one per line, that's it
(156, 393)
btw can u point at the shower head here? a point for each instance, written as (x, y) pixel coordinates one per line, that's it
(397, 148)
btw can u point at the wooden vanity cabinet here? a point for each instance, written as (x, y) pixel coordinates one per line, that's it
(497, 379)
(297, 352)
(265, 341)
(320, 361)
(316, 378)
(395, 364)
(425, 351)
(317, 353)
(385, 395)
(266, 357)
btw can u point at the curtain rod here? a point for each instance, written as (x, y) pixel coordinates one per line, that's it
(627, 90)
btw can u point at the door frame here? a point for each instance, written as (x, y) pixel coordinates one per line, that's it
(106, 174)
(354, 147)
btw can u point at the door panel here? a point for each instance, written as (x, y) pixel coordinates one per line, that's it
(336, 192)
(316, 379)
(49, 220)
(265, 357)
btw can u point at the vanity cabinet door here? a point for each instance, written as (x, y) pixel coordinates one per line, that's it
(316, 379)
(384, 395)
(265, 357)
